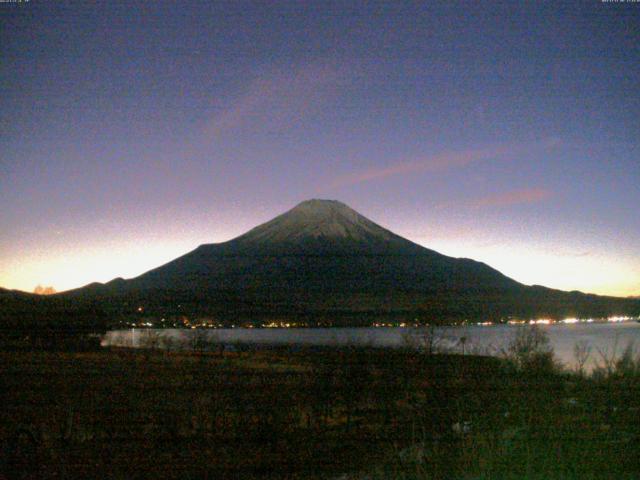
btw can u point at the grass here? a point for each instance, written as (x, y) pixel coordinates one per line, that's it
(310, 413)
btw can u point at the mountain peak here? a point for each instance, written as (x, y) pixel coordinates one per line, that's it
(319, 210)
(318, 219)
(321, 204)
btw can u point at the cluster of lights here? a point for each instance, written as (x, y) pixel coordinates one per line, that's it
(568, 321)
(141, 324)
(541, 321)
(281, 325)
(401, 325)
(186, 323)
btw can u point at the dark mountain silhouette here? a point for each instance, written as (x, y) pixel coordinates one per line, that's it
(322, 246)
(324, 262)
(50, 321)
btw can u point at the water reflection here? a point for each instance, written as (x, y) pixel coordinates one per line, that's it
(602, 338)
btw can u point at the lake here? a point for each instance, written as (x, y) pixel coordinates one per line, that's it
(604, 338)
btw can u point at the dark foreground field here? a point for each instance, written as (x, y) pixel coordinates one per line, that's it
(310, 413)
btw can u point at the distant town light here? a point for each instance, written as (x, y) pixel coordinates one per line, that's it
(618, 319)
(541, 321)
(570, 320)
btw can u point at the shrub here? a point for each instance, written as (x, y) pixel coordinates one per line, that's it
(530, 350)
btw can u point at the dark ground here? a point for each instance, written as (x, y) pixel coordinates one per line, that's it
(310, 413)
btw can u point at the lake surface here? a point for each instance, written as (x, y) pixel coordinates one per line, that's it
(608, 338)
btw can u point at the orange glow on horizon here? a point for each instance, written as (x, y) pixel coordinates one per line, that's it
(64, 271)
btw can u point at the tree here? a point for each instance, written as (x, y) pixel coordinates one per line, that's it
(150, 339)
(530, 350)
(462, 342)
(429, 340)
(581, 354)
(200, 340)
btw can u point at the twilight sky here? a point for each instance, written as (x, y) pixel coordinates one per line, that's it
(133, 131)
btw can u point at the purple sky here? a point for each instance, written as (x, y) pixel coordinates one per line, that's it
(131, 132)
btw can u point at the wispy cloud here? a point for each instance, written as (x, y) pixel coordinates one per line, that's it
(437, 162)
(279, 97)
(441, 161)
(523, 196)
